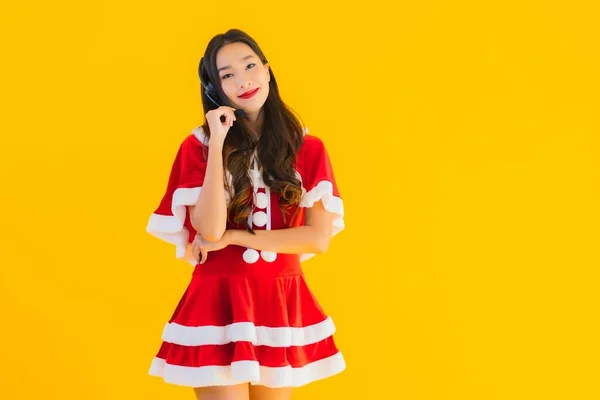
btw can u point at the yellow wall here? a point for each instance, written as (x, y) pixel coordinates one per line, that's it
(465, 142)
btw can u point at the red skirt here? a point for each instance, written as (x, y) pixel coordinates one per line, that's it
(239, 323)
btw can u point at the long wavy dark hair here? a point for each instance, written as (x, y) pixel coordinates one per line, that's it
(276, 144)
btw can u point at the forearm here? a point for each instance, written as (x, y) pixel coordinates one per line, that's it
(298, 240)
(210, 213)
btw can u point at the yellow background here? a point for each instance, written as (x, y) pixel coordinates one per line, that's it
(464, 137)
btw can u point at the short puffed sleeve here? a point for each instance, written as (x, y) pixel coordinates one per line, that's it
(318, 181)
(170, 221)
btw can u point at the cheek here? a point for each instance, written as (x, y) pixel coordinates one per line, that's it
(264, 78)
(229, 89)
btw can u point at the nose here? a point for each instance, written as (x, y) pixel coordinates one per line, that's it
(244, 81)
(245, 84)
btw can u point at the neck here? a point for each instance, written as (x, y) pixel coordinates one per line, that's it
(256, 119)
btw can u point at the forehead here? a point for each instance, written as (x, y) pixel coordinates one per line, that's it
(232, 54)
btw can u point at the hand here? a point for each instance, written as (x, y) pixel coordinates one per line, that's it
(201, 246)
(218, 129)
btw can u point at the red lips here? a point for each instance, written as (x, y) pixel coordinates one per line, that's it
(248, 94)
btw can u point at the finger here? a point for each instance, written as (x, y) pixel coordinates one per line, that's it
(204, 254)
(228, 118)
(199, 255)
(227, 108)
(224, 111)
(233, 113)
(194, 252)
(197, 243)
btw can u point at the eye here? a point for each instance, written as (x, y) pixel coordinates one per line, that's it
(227, 75)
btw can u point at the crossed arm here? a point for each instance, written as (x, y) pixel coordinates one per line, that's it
(313, 237)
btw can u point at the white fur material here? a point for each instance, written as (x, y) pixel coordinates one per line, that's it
(250, 256)
(171, 229)
(248, 371)
(247, 332)
(324, 192)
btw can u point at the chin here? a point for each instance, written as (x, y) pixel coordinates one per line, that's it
(252, 110)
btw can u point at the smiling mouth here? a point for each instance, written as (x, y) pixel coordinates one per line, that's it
(249, 94)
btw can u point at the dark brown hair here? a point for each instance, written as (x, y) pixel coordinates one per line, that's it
(278, 142)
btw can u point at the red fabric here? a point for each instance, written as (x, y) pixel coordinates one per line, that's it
(227, 289)
(189, 168)
(314, 165)
(222, 355)
(266, 301)
(187, 171)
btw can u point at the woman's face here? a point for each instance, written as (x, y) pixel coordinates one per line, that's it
(241, 71)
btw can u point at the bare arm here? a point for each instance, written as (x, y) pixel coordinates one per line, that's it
(312, 238)
(209, 215)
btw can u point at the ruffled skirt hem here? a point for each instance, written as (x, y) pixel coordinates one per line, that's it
(247, 372)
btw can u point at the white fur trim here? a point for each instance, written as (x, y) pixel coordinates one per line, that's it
(248, 371)
(200, 135)
(170, 227)
(247, 332)
(324, 192)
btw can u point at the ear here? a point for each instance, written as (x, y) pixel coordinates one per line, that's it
(268, 71)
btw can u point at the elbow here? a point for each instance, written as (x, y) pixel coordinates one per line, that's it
(321, 244)
(212, 229)
(212, 235)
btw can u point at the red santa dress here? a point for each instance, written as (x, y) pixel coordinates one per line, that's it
(246, 315)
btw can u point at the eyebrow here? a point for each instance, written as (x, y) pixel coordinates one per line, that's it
(229, 66)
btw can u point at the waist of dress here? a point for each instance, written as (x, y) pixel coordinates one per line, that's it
(230, 261)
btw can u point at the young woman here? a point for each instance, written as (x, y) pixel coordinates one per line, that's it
(250, 196)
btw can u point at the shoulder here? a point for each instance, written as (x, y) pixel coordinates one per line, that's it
(311, 144)
(193, 149)
(312, 149)
(195, 142)
(197, 138)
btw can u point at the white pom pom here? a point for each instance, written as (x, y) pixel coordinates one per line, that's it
(250, 256)
(259, 218)
(261, 200)
(268, 256)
